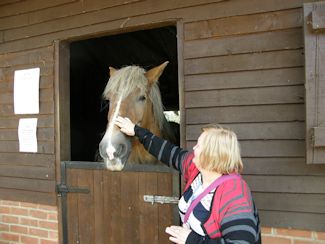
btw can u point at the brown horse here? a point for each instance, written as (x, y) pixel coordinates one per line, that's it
(134, 93)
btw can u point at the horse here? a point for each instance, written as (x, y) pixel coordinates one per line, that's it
(133, 92)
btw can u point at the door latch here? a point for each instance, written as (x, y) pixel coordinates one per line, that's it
(160, 199)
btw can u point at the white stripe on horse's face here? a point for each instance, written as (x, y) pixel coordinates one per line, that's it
(110, 150)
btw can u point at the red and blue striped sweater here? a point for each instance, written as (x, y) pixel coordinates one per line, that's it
(233, 217)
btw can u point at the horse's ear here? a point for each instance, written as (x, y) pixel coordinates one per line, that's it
(111, 71)
(154, 74)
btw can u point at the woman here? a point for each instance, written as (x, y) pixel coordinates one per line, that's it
(216, 205)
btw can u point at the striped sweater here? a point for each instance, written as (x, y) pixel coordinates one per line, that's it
(232, 217)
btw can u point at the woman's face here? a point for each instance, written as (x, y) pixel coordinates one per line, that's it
(198, 149)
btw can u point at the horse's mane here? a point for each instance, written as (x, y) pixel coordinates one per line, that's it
(129, 78)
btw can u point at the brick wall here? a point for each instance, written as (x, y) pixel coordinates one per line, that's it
(291, 236)
(28, 223)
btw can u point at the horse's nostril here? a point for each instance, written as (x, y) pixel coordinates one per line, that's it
(121, 150)
(118, 151)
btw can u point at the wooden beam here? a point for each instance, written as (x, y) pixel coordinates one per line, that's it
(318, 19)
(318, 136)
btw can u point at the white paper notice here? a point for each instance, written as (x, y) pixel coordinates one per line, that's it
(26, 91)
(27, 135)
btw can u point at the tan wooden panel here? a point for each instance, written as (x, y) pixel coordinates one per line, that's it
(148, 212)
(44, 173)
(86, 210)
(268, 148)
(243, 7)
(129, 207)
(260, 42)
(242, 79)
(247, 96)
(37, 56)
(112, 20)
(224, 8)
(35, 185)
(308, 203)
(262, 113)
(286, 184)
(256, 131)
(12, 122)
(45, 108)
(115, 205)
(285, 219)
(59, 11)
(125, 12)
(46, 147)
(281, 166)
(238, 25)
(43, 134)
(165, 188)
(32, 159)
(112, 207)
(241, 62)
(46, 74)
(4, 2)
(7, 85)
(99, 225)
(45, 95)
(29, 196)
(72, 207)
(28, 6)
(273, 148)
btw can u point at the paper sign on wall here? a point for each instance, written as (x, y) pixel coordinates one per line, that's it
(26, 91)
(27, 135)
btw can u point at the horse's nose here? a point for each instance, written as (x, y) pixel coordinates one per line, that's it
(115, 147)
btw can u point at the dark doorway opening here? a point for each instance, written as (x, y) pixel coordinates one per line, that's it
(89, 72)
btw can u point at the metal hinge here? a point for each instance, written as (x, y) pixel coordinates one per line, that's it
(61, 188)
(160, 199)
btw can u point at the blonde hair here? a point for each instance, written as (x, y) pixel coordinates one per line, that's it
(220, 150)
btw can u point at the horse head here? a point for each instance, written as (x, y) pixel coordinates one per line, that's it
(132, 92)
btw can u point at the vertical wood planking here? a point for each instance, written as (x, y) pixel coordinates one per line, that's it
(112, 207)
(129, 221)
(148, 222)
(165, 211)
(86, 207)
(99, 207)
(73, 208)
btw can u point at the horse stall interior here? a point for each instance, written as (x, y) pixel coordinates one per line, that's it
(104, 206)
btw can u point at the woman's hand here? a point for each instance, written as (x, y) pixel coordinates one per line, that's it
(178, 234)
(126, 125)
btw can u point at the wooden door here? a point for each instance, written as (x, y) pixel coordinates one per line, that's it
(114, 210)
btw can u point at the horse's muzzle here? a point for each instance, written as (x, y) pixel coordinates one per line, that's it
(115, 152)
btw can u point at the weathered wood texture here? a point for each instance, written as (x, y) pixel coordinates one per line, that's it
(27, 176)
(243, 63)
(114, 209)
(315, 81)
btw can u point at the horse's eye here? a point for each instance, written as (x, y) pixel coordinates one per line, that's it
(142, 98)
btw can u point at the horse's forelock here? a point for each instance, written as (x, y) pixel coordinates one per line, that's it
(124, 81)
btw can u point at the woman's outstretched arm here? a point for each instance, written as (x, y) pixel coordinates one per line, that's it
(163, 150)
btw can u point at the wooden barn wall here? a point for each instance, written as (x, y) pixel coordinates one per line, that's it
(243, 66)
